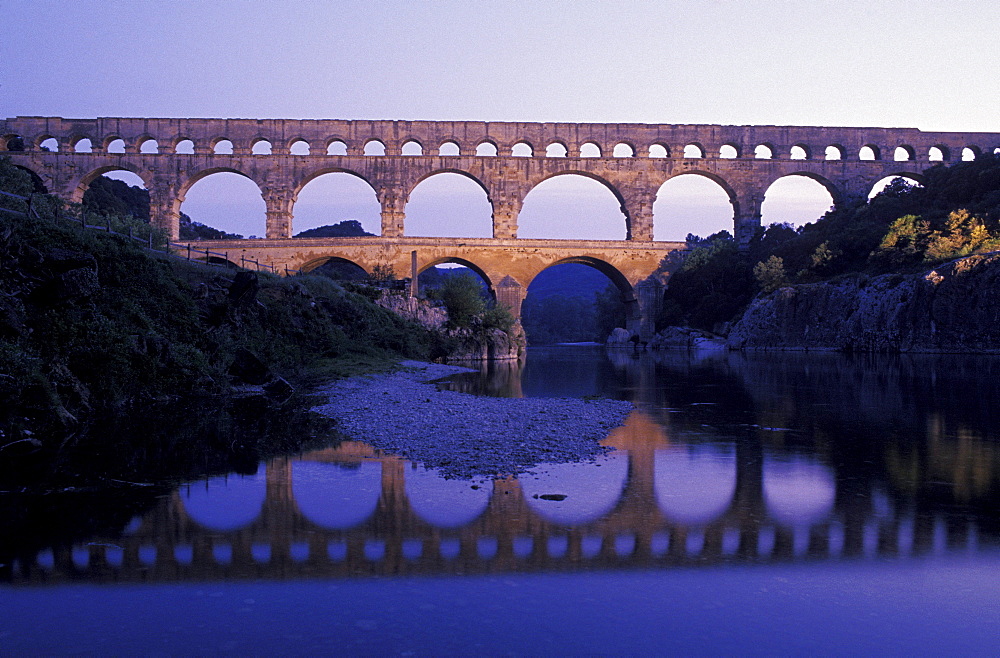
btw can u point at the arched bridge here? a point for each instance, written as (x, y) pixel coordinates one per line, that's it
(506, 159)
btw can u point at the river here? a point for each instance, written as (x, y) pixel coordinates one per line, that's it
(754, 504)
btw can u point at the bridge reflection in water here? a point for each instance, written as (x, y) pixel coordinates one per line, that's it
(350, 511)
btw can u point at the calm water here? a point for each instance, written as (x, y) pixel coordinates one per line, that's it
(756, 504)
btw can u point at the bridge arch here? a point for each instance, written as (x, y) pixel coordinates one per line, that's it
(771, 192)
(620, 281)
(490, 284)
(92, 175)
(535, 182)
(448, 202)
(712, 193)
(315, 263)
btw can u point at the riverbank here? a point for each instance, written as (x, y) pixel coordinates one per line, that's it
(463, 435)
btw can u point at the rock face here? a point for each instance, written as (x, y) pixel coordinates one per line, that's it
(493, 345)
(953, 308)
(411, 308)
(469, 345)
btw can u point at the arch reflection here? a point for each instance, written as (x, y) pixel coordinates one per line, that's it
(591, 489)
(228, 502)
(797, 490)
(442, 502)
(336, 496)
(695, 485)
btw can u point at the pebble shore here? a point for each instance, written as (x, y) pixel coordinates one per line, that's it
(463, 435)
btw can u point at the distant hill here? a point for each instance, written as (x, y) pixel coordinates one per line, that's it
(349, 228)
(568, 280)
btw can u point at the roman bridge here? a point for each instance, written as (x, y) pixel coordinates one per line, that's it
(506, 159)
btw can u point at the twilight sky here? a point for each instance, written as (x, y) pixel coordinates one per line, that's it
(923, 64)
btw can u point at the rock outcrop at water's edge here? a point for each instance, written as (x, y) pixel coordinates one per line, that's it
(464, 345)
(952, 308)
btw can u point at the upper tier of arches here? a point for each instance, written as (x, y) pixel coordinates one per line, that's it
(485, 139)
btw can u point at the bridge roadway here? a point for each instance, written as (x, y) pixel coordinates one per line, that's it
(512, 533)
(507, 265)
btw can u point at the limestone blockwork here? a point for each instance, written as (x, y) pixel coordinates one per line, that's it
(507, 159)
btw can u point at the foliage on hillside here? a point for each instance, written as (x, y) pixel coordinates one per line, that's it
(902, 229)
(91, 325)
(349, 228)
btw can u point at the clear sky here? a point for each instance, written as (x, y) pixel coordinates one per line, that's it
(918, 63)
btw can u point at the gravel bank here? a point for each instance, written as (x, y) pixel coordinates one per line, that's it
(464, 435)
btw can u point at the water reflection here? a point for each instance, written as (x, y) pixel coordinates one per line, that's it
(729, 459)
(695, 485)
(225, 503)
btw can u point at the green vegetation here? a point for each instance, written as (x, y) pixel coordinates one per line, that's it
(349, 228)
(463, 298)
(903, 229)
(93, 326)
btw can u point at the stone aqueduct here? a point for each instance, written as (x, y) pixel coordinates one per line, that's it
(506, 159)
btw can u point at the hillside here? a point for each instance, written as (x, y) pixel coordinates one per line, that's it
(906, 229)
(94, 326)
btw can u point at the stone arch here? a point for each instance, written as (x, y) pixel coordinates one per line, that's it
(490, 284)
(314, 263)
(834, 152)
(624, 149)
(186, 184)
(556, 149)
(729, 151)
(42, 139)
(535, 182)
(800, 151)
(9, 140)
(263, 143)
(334, 146)
(449, 170)
(553, 203)
(487, 148)
(694, 150)
(293, 144)
(76, 139)
(373, 147)
(904, 153)
(591, 149)
(314, 174)
(448, 144)
(222, 146)
(870, 152)
(455, 196)
(971, 152)
(764, 151)
(520, 152)
(620, 281)
(84, 182)
(726, 188)
(659, 150)
(938, 153)
(40, 186)
(417, 146)
(176, 145)
(837, 195)
(878, 185)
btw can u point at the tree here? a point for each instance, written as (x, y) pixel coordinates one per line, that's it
(461, 296)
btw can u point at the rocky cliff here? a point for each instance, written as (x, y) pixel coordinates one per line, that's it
(952, 308)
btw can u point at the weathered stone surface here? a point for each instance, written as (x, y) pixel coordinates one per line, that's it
(412, 308)
(494, 345)
(953, 308)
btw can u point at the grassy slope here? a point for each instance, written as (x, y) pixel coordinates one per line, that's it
(93, 326)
